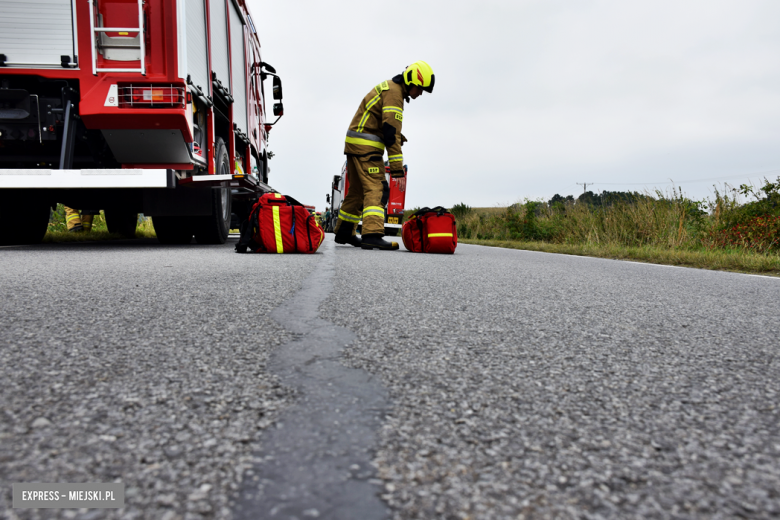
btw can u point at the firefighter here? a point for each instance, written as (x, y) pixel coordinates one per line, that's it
(376, 125)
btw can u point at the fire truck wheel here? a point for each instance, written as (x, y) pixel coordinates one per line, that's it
(391, 232)
(121, 221)
(173, 230)
(214, 229)
(34, 223)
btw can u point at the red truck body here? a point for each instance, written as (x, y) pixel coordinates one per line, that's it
(132, 103)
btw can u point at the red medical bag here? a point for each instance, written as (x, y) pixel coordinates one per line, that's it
(279, 225)
(430, 231)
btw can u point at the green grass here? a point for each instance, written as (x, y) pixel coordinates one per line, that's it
(58, 230)
(722, 260)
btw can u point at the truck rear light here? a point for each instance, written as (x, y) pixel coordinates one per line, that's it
(151, 96)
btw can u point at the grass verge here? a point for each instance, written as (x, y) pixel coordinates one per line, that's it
(719, 260)
(57, 236)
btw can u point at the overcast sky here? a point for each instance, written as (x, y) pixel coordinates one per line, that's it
(532, 96)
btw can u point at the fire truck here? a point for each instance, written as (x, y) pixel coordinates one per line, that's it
(133, 106)
(394, 209)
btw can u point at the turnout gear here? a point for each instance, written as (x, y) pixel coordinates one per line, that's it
(377, 125)
(73, 220)
(375, 241)
(364, 199)
(421, 74)
(82, 221)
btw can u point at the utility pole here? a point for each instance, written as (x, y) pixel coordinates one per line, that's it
(585, 186)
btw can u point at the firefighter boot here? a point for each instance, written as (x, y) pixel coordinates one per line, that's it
(375, 241)
(344, 235)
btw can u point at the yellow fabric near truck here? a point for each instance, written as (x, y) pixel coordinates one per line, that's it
(72, 217)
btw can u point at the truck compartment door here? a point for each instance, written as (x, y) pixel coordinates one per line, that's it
(238, 66)
(219, 42)
(38, 33)
(197, 44)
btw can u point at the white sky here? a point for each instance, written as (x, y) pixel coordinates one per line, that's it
(532, 96)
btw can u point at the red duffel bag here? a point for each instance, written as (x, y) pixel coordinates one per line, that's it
(279, 224)
(430, 231)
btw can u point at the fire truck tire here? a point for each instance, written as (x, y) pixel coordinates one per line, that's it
(214, 229)
(34, 219)
(391, 232)
(173, 230)
(121, 221)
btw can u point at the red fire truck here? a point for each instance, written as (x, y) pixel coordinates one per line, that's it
(130, 106)
(394, 209)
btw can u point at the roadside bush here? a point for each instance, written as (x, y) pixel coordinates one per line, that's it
(460, 211)
(759, 234)
(667, 220)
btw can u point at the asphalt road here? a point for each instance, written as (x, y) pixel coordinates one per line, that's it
(489, 384)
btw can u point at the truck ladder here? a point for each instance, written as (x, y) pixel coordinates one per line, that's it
(95, 31)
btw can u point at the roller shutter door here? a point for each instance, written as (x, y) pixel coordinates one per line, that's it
(220, 57)
(239, 69)
(197, 44)
(35, 33)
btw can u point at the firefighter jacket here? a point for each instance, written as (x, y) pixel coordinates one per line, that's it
(377, 125)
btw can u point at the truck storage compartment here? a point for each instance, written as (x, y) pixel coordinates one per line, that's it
(239, 69)
(197, 44)
(220, 54)
(38, 33)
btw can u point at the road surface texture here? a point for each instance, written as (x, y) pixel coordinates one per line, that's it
(490, 384)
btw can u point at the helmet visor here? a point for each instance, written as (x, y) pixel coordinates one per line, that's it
(429, 88)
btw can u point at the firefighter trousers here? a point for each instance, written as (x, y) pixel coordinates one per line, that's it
(73, 218)
(367, 195)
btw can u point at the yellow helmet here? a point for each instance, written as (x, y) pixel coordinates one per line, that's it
(421, 74)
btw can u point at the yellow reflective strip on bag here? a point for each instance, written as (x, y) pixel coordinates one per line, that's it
(278, 195)
(278, 231)
(366, 142)
(439, 235)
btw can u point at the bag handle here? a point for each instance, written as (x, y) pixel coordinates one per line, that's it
(439, 210)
